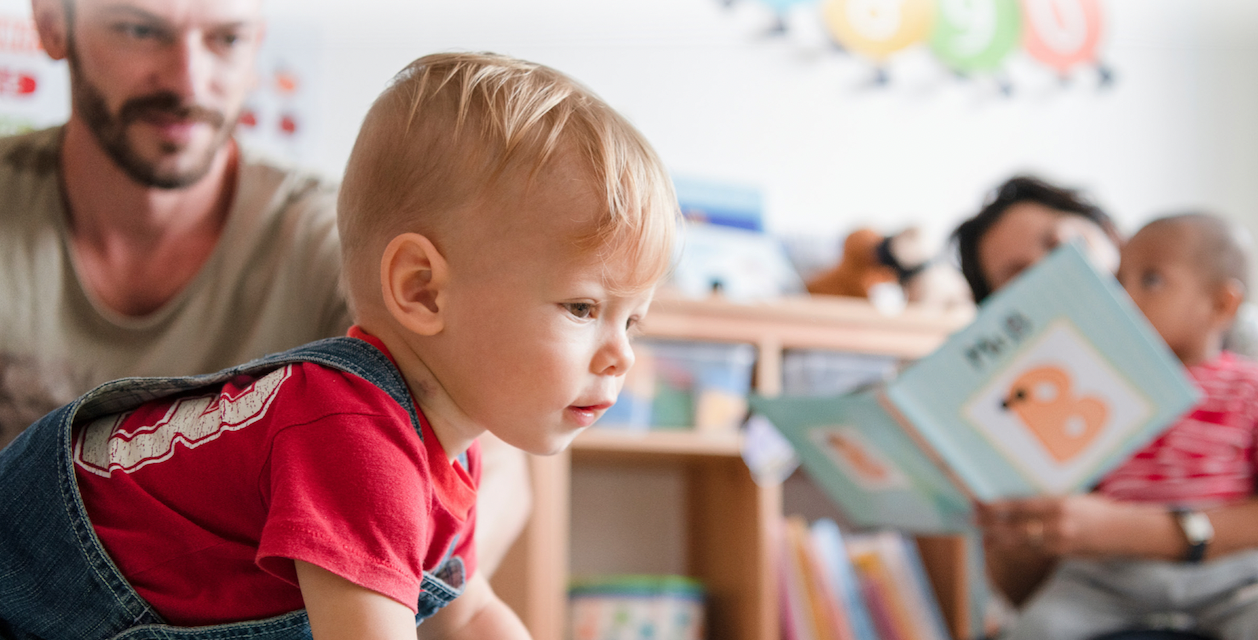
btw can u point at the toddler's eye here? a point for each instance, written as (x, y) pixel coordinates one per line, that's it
(580, 309)
(1151, 280)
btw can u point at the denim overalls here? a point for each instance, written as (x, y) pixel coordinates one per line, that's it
(56, 580)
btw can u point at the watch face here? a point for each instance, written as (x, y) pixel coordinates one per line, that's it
(1196, 527)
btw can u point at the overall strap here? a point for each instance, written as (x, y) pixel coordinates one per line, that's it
(353, 356)
(346, 354)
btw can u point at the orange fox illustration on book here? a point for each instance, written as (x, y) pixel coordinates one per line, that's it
(862, 461)
(1043, 398)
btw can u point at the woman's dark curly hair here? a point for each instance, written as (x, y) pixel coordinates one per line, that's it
(1021, 188)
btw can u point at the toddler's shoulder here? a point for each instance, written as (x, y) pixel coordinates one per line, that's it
(325, 390)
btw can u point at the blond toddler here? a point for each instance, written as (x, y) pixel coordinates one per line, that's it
(503, 230)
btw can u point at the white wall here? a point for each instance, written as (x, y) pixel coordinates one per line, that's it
(788, 114)
(719, 99)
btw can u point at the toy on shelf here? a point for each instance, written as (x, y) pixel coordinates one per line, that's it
(893, 270)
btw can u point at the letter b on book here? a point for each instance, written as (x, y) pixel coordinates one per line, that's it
(1044, 399)
(1058, 408)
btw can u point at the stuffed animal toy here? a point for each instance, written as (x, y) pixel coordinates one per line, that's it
(859, 269)
(873, 264)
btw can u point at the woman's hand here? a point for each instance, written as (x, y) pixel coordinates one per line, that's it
(1024, 537)
(1087, 525)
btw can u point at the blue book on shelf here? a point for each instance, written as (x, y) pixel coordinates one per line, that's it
(832, 554)
(1058, 379)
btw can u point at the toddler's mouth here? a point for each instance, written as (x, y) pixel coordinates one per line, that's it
(586, 414)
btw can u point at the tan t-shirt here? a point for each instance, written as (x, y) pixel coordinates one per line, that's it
(270, 284)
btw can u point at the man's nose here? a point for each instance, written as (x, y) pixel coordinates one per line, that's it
(188, 67)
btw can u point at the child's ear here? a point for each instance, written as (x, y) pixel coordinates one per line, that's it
(1228, 298)
(413, 279)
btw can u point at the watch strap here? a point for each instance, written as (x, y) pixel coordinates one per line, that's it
(1197, 530)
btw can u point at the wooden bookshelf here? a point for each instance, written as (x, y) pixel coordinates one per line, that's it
(729, 521)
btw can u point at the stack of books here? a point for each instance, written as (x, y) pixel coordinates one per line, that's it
(868, 586)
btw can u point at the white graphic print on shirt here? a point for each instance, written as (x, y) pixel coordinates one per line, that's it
(104, 445)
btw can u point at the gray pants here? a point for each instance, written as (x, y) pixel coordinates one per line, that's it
(1084, 599)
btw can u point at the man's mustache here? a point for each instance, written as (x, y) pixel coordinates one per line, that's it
(168, 104)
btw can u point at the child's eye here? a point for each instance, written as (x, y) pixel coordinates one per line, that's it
(580, 309)
(1151, 280)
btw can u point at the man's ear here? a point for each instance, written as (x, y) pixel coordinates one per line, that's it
(413, 279)
(1228, 298)
(50, 20)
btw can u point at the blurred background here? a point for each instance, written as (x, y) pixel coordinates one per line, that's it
(1157, 112)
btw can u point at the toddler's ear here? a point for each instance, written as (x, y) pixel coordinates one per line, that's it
(1228, 298)
(413, 278)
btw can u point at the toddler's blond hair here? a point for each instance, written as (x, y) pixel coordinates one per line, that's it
(455, 129)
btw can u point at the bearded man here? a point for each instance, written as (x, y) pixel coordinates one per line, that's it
(139, 239)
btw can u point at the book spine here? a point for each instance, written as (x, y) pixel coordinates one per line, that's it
(881, 610)
(797, 617)
(832, 553)
(930, 613)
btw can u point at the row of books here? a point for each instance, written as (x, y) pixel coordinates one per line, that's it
(854, 586)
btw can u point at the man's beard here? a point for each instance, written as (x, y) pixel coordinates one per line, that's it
(110, 130)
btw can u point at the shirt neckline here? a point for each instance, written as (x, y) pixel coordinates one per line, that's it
(454, 485)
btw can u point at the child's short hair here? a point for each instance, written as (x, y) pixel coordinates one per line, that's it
(454, 129)
(1222, 248)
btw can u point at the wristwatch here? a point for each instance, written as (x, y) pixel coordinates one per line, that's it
(1197, 529)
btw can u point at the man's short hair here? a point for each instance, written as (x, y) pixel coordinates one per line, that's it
(459, 128)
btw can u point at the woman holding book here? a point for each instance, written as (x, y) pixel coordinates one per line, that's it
(1025, 539)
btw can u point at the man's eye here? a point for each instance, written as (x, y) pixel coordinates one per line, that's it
(231, 38)
(138, 31)
(580, 309)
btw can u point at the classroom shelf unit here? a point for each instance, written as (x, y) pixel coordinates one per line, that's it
(727, 521)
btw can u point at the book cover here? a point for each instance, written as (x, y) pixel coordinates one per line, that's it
(1058, 379)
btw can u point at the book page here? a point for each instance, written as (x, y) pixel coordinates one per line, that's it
(1058, 379)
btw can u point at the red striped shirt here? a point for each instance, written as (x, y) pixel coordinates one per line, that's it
(1209, 456)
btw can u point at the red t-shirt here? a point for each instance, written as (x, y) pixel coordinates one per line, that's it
(1209, 456)
(204, 501)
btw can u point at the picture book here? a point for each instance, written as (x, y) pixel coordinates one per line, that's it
(1058, 379)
